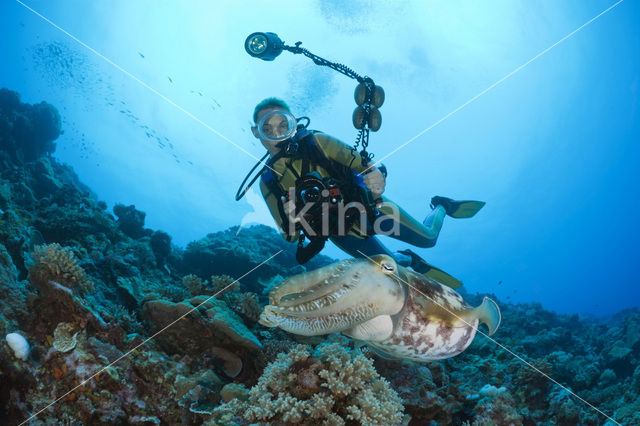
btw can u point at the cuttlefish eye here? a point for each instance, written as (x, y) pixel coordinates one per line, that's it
(387, 268)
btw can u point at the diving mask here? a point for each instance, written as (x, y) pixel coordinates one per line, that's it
(277, 126)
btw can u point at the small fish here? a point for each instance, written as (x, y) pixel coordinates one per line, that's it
(499, 282)
(141, 55)
(170, 81)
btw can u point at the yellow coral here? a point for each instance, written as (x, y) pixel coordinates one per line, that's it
(53, 262)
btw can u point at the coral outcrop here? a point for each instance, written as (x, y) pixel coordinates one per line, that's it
(130, 220)
(27, 132)
(209, 329)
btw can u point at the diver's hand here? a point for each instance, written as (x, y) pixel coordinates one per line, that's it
(289, 208)
(375, 182)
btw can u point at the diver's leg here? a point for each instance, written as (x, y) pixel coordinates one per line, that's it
(434, 220)
(360, 247)
(367, 247)
(397, 223)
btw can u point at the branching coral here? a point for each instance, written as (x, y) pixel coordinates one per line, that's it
(224, 284)
(334, 385)
(245, 304)
(194, 284)
(53, 262)
(220, 284)
(532, 384)
(126, 318)
(497, 409)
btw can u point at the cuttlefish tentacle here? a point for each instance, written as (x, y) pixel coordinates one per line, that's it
(397, 311)
(310, 286)
(318, 324)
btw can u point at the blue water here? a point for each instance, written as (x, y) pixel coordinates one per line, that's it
(161, 120)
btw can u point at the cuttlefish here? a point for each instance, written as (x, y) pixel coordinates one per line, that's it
(399, 312)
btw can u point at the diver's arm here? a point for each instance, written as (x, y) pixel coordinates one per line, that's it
(276, 210)
(338, 151)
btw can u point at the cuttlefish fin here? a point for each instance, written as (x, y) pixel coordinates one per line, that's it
(375, 329)
(487, 313)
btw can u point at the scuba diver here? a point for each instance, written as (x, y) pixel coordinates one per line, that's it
(311, 179)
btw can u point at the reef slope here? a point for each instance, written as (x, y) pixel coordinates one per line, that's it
(84, 286)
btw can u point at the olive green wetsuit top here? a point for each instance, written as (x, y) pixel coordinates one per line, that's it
(289, 169)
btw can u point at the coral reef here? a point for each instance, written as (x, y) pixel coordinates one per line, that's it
(92, 295)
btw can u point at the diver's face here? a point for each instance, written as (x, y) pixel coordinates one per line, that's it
(275, 125)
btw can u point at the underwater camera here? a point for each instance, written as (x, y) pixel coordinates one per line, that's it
(331, 206)
(313, 193)
(312, 188)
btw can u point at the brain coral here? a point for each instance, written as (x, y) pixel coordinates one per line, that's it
(332, 386)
